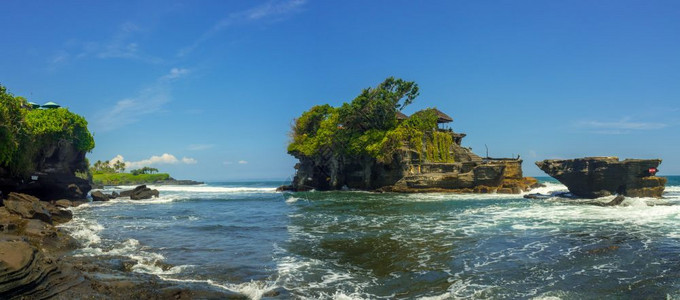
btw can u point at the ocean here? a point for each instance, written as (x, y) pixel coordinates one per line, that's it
(248, 238)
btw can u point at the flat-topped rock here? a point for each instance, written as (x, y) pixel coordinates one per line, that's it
(594, 177)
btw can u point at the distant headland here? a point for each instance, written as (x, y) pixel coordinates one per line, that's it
(107, 173)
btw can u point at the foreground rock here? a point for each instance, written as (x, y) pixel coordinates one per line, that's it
(594, 177)
(27, 207)
(99, 196)
(139, 193)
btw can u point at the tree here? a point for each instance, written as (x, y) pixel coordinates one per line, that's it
(375, 108)
(119, 166)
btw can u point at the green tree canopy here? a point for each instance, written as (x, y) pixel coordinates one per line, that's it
(24, 131)
(368, 125)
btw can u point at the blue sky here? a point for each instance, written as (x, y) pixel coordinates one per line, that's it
(215, 85)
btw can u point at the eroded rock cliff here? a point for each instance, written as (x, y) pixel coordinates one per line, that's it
(594, 177)
(410, 172)
(54, 176)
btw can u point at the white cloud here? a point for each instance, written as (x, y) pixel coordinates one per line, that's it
(130, 110)
(116, 159)
(624, 126)
(176, 73)
(270, 11)
(164, 158)
(243, 162)
(120, 45)
(189, 161)
(198, 147)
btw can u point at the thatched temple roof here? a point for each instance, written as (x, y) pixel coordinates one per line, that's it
(442, 117)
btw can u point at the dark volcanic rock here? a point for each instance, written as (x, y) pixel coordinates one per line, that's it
(27, 206)
(99, 196)
(53, 186)
(617, 201)
(58, 214)
(139, 193)
(594, 177)
(53, 176)
(63, 203)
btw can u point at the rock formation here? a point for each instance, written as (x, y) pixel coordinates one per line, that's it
(99, 196)
(410, 172)
(140, 192)
(594, 177)
(54, 177)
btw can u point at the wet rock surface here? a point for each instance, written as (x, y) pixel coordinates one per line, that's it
(140, 192)
(594, 177)
(27, 206)
(99, 196)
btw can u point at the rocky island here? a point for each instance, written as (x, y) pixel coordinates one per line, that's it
(368, 144)
(594, 177)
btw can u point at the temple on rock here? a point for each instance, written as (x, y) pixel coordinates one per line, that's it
(437, 163)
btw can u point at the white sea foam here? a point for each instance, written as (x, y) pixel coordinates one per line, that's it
(212, 189)
(291, 199)
(548, 189)
(84, 230)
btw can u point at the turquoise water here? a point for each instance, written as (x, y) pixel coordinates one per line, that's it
(248, 238)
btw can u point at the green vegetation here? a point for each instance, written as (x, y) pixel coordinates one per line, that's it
(107, 173)
(144, 170)
(368, 126)
(127, 178)
(25, 131)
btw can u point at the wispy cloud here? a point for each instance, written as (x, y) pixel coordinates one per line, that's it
(623, 126)
(199, 147)
(130, 110)
(240, 162)
(269, 12)
(176, 73)
(121, 45)
(165, 158)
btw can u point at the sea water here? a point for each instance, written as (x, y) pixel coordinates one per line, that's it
(248, 238)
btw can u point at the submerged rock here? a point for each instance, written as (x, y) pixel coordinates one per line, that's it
(594, 177)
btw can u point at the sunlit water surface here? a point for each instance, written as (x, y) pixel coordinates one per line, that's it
(248, 238)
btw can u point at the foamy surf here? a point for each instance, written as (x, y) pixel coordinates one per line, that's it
(212, 189)
(357, 245)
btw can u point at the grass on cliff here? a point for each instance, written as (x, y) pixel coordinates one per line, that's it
(127, 178)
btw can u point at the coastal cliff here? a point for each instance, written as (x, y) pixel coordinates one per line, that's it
(409, 172)
(593, 177)
(42, 149)
(368, 144)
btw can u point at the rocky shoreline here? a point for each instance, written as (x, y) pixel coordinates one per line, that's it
(36, 261)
